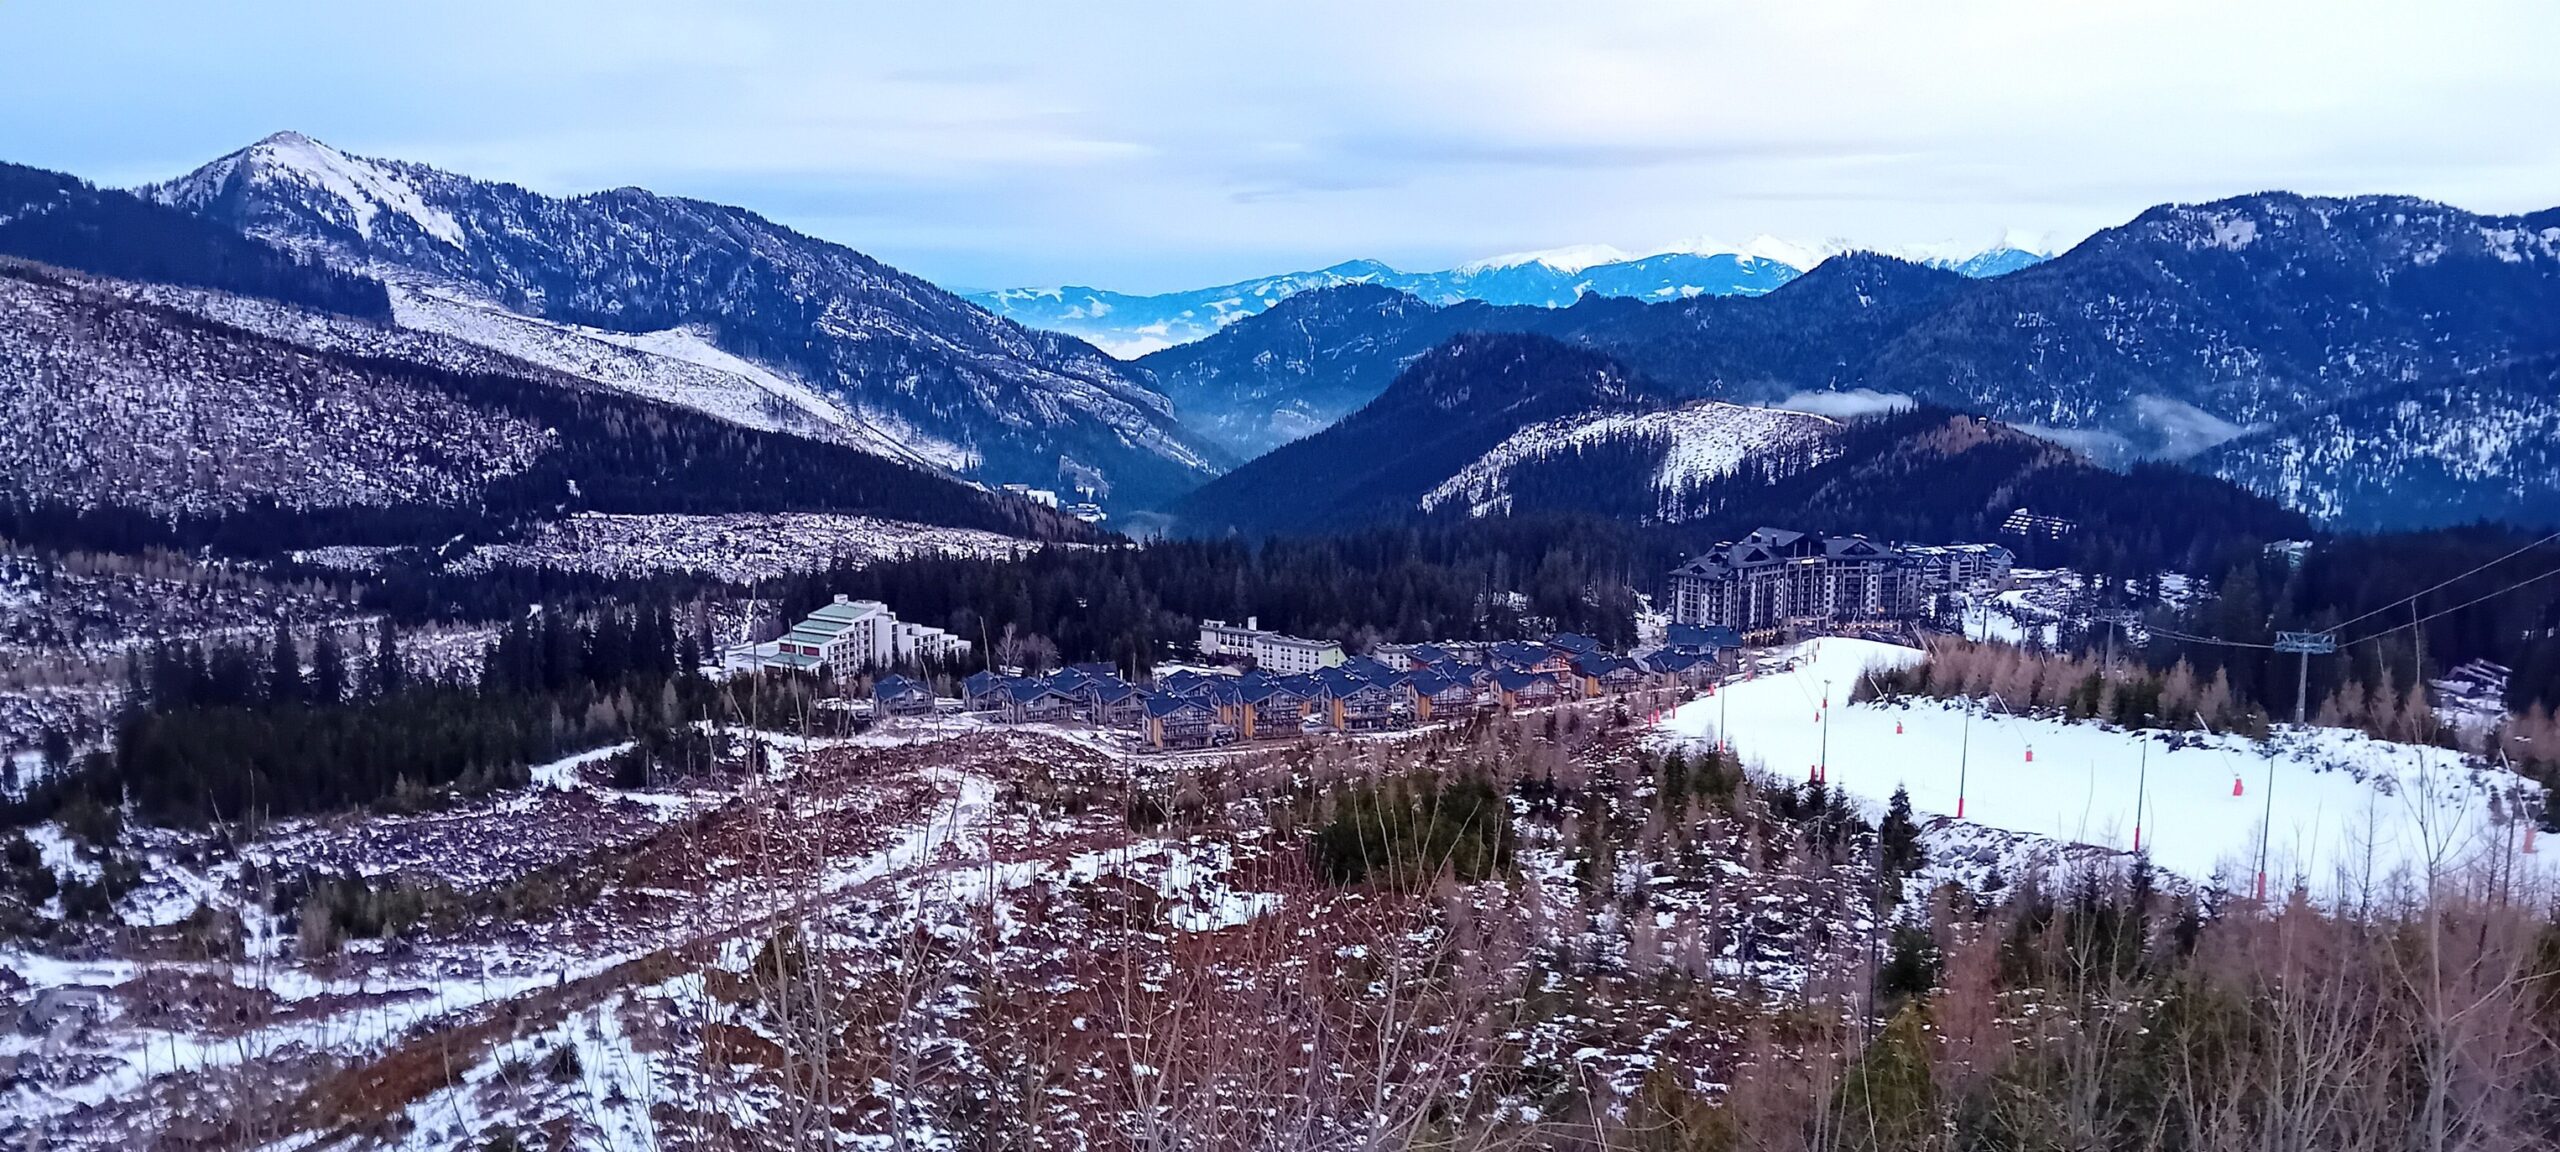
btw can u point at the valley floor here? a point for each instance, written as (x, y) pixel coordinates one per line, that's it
(939, 935)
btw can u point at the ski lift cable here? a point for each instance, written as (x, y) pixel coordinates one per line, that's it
(2403, 627)
(2334, 628)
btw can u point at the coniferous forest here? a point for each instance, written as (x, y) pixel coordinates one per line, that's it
(248, 732)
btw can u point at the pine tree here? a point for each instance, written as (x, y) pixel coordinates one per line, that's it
(328, 669)
(1898, 838)
(389, 676)
(284, 679)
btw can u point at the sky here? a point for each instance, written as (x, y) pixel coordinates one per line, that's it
(988, 143)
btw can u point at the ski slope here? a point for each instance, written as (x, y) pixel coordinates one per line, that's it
(2346, 809)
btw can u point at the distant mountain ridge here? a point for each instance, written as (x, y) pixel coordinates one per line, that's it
(898, 359)
(1133, 324)
(2185, 327)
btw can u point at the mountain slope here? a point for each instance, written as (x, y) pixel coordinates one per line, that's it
(897, 353)
(2480, 446)
(143, 424)
(122, 406)
(1131, 325)
(63, 221)
(1296, 369)
(2175, 331)
(1640, 464)
(1448, 408)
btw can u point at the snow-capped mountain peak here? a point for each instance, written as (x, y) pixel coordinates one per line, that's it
(1570, 258)
(1800, 257)
(358, 192)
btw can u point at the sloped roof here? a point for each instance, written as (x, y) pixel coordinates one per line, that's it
(1701, 636)
(1026, 691)
(1268, 690)
(1429, 683)
(1602, 665)
(1341, 684)
(1674, 660)
(1168, 704)
(888, 686)
(1856, 548)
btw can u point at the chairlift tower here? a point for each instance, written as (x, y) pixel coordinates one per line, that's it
(2304, 645)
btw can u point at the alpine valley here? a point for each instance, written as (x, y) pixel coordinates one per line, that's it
(486, 671)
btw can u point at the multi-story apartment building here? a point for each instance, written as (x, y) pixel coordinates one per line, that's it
(1956, 567)
(1774, 578)
(1271, 651)
(845, 637)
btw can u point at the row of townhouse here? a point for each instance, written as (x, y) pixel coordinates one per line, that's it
(844, 638)
(1417, 684)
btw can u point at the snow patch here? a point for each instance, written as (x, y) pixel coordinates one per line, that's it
(366, 188)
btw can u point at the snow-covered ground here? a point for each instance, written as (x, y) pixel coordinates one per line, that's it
(676, 366)
(2345, 808)
(1707, 439)
(737, 547)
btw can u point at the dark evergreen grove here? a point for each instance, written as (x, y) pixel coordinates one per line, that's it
(2500, 614)
(246, 732)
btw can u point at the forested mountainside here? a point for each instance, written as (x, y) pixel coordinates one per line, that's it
(2160, 337)
(1519, 424)
(2484, 445)
(63, 221)
(1644, 466)
(140, 425)
(1450, 407)
(1931, 475)
(919, 363)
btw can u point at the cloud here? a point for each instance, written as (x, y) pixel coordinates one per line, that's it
(1847, 405)
(1013, 141)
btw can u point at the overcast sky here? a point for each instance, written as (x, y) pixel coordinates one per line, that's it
(991, 144)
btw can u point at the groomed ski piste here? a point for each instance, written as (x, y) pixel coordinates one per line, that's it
(2350, 814)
